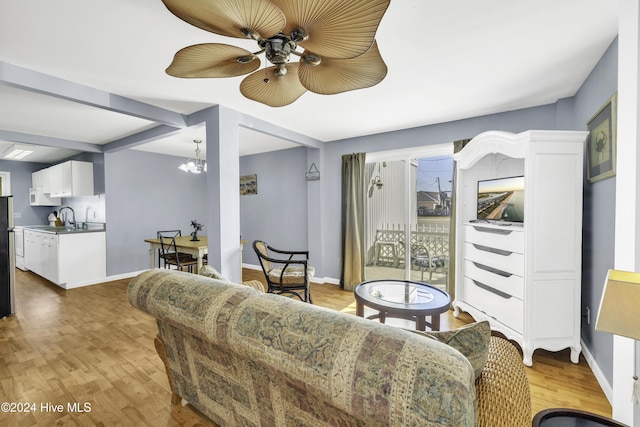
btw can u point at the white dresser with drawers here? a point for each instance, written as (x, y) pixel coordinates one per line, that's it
(524, 278)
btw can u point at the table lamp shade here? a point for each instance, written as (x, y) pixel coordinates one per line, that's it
(619, 311)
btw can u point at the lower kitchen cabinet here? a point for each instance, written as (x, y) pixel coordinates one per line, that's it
(66, 259)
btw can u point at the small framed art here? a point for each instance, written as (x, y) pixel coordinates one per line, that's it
(248, 185)
(601, 142)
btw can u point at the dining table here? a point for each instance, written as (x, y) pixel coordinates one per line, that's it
(197, 249)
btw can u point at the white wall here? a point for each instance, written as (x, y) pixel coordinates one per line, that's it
(146, 193)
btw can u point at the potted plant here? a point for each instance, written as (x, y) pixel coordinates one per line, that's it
(196, 227)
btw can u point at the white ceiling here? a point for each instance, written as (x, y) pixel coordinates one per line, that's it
(447, 60)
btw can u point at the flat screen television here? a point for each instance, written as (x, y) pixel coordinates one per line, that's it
(501, 200)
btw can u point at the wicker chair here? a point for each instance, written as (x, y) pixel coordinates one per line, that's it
(502, 389)
(287, 275)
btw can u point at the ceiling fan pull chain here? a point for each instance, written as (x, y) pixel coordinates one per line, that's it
(266, 74)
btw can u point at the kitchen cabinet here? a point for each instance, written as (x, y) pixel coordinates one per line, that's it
(40, 189)
(40, 179)
(41, 253)
(66, 259)
(69, 179)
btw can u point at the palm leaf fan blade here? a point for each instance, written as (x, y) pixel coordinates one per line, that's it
(229, 17)
(211, 60)
(333, 76)
(336, 28)
(275, 91)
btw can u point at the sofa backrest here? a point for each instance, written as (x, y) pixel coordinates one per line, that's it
(236, 353)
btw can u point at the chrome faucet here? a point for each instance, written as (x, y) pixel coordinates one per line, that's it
(73, 215)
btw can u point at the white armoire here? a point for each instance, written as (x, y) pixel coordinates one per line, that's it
(524, 278)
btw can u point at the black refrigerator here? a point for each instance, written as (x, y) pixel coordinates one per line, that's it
(7, 258)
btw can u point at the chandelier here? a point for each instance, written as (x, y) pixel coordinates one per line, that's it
(196, 165)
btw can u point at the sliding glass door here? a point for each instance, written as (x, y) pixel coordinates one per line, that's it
(386, 220)
(407, 215)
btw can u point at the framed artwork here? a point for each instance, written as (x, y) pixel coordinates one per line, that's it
(248, 185)
(601, 142)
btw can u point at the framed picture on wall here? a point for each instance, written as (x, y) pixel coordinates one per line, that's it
(601, 142)
(248, 185)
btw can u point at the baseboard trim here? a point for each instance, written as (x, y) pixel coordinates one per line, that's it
(597, 372)
(101, 280)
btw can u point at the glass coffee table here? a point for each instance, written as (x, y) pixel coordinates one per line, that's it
(402, 299)
(563, 417)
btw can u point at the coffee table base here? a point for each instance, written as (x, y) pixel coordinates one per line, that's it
(421, 321)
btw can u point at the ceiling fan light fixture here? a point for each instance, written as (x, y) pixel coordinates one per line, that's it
(278, 48)
(280, 71)
(311, 59)
(245, 59)
(299, 35)
(250, 34)
(340, 33)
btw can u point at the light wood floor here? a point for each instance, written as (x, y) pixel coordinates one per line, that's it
(90, 346)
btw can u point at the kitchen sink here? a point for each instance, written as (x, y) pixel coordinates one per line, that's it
(64, 229)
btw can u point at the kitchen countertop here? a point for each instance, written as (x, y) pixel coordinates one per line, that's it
(92, 227)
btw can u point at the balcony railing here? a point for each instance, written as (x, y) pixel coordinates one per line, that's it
(389, 247)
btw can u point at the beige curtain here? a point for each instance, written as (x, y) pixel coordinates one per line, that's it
(457, 146)
(352, 221)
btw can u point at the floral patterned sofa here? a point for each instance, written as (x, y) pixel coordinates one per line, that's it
(243, 357)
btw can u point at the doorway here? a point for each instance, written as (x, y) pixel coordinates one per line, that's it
(5, 183)
(407, 220)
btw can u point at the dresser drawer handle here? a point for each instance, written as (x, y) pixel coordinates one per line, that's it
(492, 250)
(492, 290)
(501, 231)
(492, 270)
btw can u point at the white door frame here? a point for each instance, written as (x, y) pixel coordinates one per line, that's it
(6, 183)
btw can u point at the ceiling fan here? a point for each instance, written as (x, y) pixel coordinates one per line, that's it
(338, 36)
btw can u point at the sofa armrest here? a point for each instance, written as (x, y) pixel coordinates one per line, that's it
(502, 390)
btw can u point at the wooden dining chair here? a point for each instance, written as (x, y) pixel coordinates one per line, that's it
(171, 256)
(167, 234)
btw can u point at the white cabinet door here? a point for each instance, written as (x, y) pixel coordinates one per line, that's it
(36, 179)
(51, 258)
(54, 178)
(82, 257)
(43, 253)
(80, 178)
(45, 181)
(72, 179)
(30, 251)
